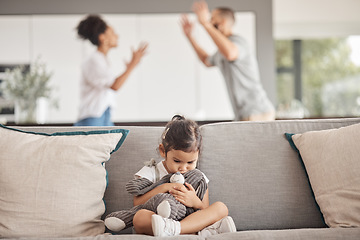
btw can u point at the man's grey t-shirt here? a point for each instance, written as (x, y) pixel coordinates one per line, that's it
(242, 79)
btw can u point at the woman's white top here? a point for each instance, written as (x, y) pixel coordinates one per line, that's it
(95, 92)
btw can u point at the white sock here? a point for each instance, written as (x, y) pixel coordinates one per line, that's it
(163, 227)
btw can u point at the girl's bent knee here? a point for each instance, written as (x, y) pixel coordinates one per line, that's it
(141, 220)
(221, 208)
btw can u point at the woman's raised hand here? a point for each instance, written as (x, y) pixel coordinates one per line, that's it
(137, 54)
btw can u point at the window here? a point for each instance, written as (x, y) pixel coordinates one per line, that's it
(318, 77)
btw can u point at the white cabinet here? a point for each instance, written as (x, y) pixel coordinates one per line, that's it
(54, 40)
(15, 38)
(168, 83)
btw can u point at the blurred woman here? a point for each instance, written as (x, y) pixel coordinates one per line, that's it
(98, 84)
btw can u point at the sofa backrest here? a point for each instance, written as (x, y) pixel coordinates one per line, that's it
(251, 167)
(256, 173)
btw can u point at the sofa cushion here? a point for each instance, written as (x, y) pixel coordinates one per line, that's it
(52, 185)
(331, 159)
(293, 234)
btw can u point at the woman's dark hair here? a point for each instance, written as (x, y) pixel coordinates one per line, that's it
(91, 27)
(181, 134)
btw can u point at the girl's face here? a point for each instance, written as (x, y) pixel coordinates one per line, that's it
(179, 161)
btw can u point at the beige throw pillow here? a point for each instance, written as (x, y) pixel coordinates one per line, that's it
(332, 161)
(53, 185)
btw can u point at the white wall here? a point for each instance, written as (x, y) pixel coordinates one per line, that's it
(316, 18)
(169, 80)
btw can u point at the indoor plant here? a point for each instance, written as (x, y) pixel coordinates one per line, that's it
(26, 86)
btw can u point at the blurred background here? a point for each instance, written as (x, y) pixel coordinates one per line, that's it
(308, 53)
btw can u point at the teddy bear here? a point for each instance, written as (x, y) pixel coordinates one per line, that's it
(164, 204)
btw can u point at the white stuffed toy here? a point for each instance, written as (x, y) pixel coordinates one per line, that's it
(177, 178)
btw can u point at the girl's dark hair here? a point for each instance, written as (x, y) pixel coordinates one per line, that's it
(91, 27)
(181, 134)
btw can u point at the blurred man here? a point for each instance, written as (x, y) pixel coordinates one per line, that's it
(235, 61)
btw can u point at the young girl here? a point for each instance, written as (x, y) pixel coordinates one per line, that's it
(98, 84)
(180, 148)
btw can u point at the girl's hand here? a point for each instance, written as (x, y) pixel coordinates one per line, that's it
(202, 12)
(187, 196)
(187, 26)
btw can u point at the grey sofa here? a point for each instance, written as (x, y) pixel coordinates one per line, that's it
(252, 169)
